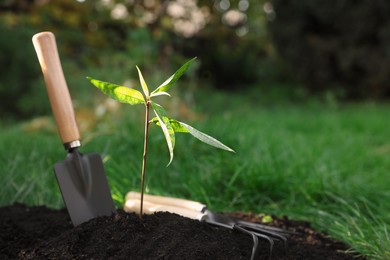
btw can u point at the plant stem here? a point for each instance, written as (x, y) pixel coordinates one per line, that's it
(147, 108)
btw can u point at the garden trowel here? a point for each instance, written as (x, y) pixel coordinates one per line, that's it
(81, 177)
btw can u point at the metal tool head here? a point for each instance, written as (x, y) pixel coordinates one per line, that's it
(84, 186)
(261, 231)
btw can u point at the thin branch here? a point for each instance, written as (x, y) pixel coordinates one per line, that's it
(147, 108)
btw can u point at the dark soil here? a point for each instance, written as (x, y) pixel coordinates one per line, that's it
(43, 233)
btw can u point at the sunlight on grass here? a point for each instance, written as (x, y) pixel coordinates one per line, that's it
(26, 174)
(360, 224)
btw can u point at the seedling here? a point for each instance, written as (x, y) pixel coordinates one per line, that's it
(168, 125)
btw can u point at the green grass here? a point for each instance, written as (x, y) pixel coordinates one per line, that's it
(328, 164)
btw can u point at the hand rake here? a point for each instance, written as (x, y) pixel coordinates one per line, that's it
(199, 211)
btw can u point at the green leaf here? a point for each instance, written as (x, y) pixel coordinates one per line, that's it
(119, 93)
(166, 127)
(143, 83)
(180, 127)
(159, 94)
(205, 138)
(266, 219)
(177, 127)
(172, 79)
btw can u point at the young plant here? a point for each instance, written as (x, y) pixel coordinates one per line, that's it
(168, 125)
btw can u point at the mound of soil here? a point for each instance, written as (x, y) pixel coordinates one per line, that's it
(43, 233)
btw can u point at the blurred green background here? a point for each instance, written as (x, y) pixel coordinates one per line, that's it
(299, 89)
(285, 48)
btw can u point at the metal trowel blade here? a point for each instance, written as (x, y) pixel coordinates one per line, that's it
(84, 186)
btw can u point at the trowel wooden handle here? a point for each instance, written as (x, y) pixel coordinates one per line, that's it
(133, 205)
(61, 103)
(176, 202)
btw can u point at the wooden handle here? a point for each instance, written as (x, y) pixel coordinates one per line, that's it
(61, 103)
(176, 202)
(133, 205)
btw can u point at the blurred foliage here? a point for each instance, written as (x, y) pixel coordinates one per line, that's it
(110, 37)
(341, 49)
(18, 75)
(342, 46)
(234, 46)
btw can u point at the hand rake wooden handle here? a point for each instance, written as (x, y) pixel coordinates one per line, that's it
(169, 201)
(61, 103)
(133, 205)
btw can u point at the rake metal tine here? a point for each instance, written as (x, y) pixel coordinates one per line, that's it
(283, 239)
(269, 239)
(265, 227)
(267, 233)
(255, 241)
(218, 224)
(242, 230)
